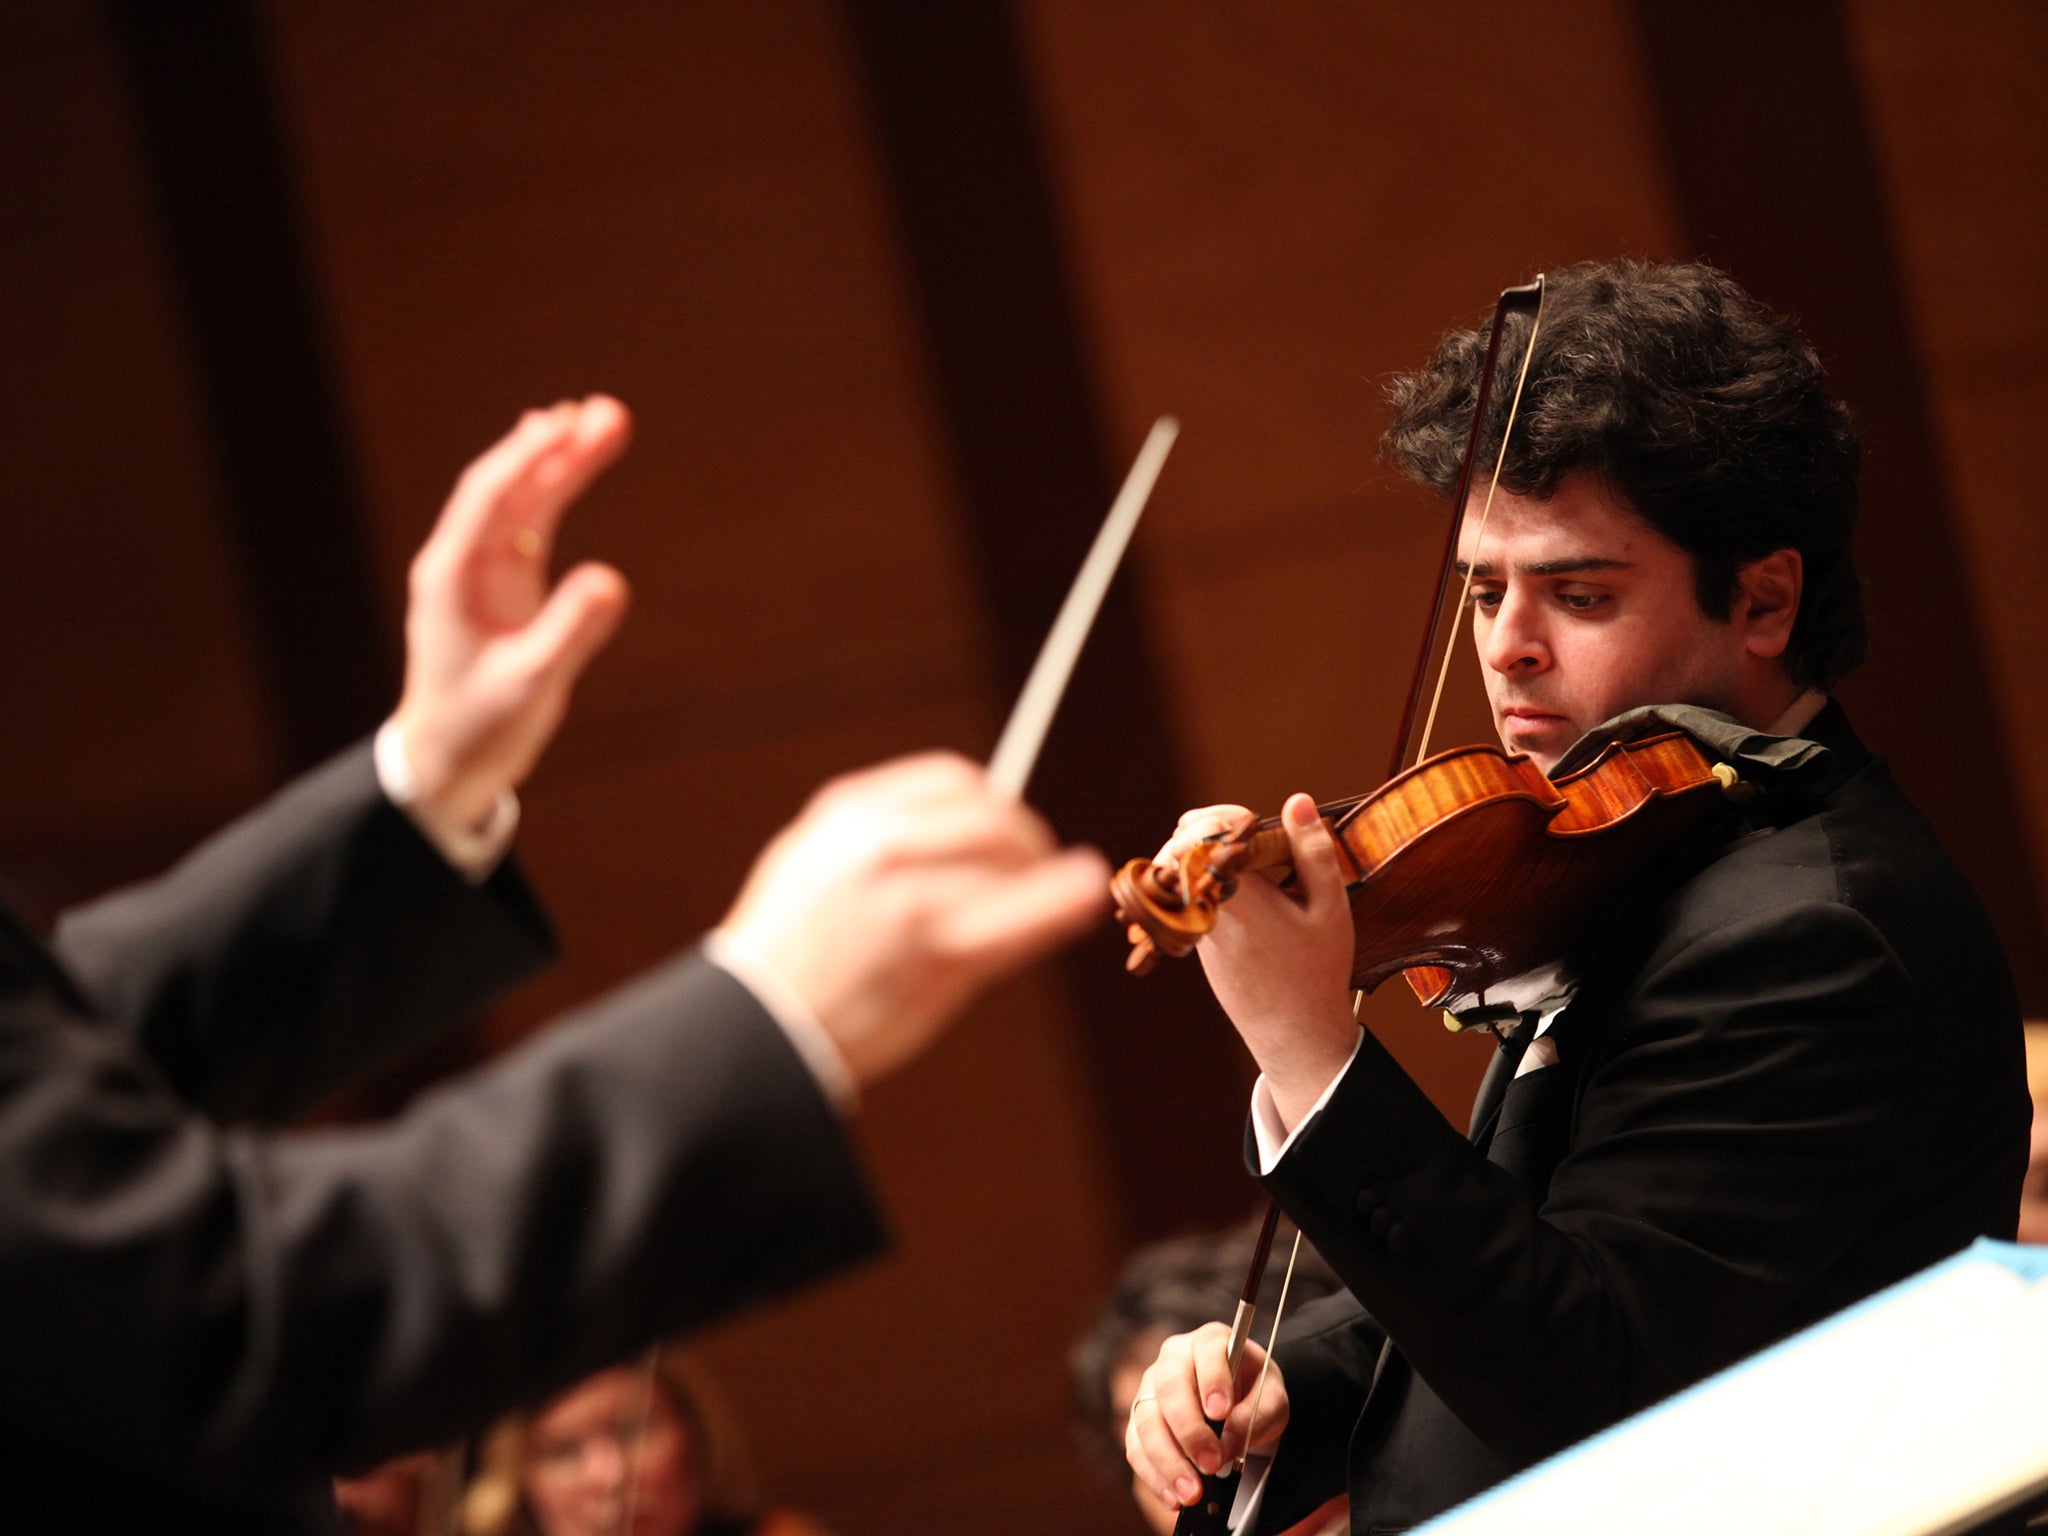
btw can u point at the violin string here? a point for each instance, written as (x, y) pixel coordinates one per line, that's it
(1443, 670)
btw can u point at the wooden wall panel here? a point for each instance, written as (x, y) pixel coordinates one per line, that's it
(1959, 112)
(1781, 179)
(680, 205)
(199, 87)
(132, 717)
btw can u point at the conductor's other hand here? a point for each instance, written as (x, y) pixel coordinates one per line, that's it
(491, 651)
(1169, 1443)
(901, 890)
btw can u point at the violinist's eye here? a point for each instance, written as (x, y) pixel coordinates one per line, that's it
(1583, 602)
(1485, 601)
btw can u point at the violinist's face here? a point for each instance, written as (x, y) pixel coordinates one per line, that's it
(1581, 610)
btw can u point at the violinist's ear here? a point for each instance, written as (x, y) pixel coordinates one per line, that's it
(1767, 602)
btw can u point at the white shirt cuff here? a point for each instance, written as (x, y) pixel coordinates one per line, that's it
(1251, 1488)
(782, 1003)
(474, 852)
(1273, 1137)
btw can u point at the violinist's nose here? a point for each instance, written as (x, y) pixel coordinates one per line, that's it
(1511, 639)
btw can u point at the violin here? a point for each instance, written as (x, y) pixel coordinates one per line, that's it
(1466, 870)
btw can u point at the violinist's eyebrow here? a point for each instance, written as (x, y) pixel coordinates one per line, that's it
(1570, 565)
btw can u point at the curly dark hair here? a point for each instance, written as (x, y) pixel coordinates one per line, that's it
(1709, 414)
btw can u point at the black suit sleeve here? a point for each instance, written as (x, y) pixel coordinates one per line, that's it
(1732, 1136)
(300, 946)
(235, 1307)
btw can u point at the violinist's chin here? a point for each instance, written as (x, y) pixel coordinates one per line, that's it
(1541, 733)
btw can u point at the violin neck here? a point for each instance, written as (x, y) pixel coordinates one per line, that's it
(1267, 852)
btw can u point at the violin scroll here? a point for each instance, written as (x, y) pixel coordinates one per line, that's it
(1166, 906)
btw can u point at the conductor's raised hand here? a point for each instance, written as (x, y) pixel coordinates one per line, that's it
(492, 650)
(900, 891)
(1169, 1443)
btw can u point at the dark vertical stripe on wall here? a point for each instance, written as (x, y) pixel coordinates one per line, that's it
(962, 155)
(197, 74)
(1777, 180)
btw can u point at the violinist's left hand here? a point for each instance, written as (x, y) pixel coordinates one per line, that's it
(1280, 964)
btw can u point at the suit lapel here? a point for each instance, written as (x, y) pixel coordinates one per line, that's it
(1493, 1088)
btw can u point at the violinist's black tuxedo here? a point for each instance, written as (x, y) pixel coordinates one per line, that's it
(202, 1317)
(1792, 1075)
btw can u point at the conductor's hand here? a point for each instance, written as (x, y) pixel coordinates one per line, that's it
(1169, 1443)
(901, 890)
(491, 652)
(1279, 960)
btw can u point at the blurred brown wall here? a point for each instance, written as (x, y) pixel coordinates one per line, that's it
(1255, 212)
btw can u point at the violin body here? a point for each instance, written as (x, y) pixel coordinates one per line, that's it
(1468, 869)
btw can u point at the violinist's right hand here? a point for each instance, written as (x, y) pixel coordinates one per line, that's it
(1169, 1443)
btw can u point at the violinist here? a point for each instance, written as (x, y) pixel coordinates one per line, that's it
(205, 1318)
(1782, 1071)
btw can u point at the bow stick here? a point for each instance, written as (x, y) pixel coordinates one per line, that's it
(1210, 1514)
(1009, 769)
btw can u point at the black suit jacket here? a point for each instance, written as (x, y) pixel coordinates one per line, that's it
(1792, 1075)
(203, 1318)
